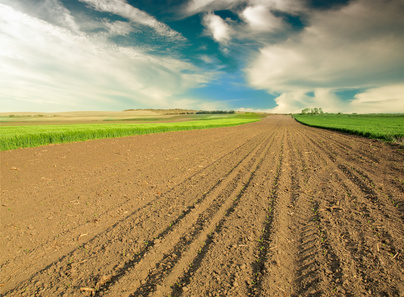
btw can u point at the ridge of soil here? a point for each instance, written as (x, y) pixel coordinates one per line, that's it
(272, 208)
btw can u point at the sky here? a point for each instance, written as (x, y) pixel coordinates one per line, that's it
(277, 56)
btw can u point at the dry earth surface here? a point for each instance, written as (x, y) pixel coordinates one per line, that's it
(272, 208)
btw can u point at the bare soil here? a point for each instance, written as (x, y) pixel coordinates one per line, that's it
(272, 208)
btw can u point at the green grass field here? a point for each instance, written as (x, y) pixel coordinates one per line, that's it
(388, 127)
(13, 137)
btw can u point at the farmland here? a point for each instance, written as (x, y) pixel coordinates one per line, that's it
(269, 208)
(13, 137)
(389, 127)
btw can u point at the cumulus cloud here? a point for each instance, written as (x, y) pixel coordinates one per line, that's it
(386, 99)
(359, 45)
(293, 101)
(54, 68)
(217, 27)
(258, 22)
(135, 15)
(259, 18)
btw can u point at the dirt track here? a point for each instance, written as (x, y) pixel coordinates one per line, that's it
(272, 208)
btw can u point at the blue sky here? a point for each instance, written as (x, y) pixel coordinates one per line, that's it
(265, 55)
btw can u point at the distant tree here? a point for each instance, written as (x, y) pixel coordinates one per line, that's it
(312, 111)
(215, 112)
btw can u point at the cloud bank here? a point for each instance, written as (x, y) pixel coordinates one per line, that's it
(360, 45)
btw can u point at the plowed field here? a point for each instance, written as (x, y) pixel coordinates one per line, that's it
(272, 208)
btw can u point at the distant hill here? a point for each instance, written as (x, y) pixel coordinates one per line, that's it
(167, 111)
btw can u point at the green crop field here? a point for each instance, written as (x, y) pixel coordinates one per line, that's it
(388, 127)
(13, 137)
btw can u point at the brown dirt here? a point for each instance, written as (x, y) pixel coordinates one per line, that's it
(272, 208)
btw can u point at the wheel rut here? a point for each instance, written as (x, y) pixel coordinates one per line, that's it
(114, 235)
(222, 203)
(367, 220)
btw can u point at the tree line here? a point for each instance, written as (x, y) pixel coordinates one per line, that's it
(215, 112)
(311, 111)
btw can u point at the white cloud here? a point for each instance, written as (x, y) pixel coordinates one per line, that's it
(295, 100)
(383, 99)
(257, 23)
(217, 27)
(119, 28)
(387, 99)
(360, 45)
(135, 15)
(207, 59)
(290, 6)
(51, 10)
(259, 18)
(49, 68)
(198, 6)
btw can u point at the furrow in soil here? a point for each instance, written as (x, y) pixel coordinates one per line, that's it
(194, 232)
